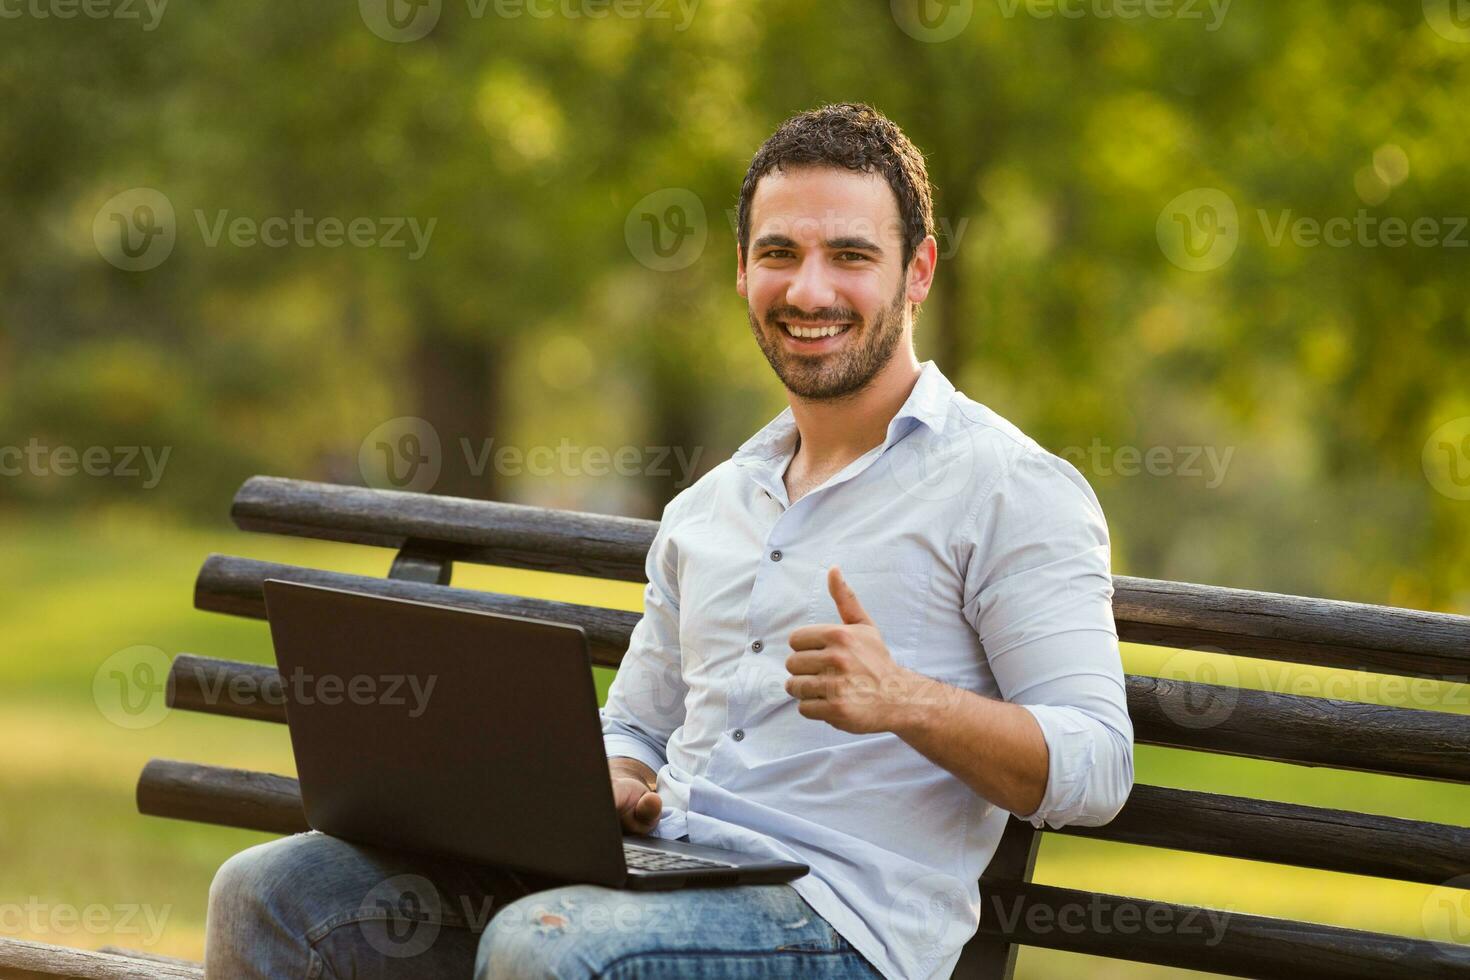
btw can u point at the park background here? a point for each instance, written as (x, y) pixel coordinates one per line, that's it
(547, 142)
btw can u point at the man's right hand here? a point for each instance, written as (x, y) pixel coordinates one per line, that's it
(638, 805)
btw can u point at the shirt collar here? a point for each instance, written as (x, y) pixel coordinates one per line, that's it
(928, 403)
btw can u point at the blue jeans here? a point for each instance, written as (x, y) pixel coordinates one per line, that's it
(314, 906)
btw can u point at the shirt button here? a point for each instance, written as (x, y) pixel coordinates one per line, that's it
(738, 734)
(757, 646)
(775, 556)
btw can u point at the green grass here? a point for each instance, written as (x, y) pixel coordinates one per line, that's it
(73, 593)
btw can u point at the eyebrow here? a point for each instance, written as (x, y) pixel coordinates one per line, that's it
(836, 244)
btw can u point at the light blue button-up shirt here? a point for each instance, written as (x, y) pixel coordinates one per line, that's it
(984, 561)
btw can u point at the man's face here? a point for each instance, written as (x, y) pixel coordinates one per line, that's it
(826, 256)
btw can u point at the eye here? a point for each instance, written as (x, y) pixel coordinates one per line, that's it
(778, 253)
(852, 256)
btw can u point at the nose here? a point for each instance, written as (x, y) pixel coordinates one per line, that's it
(811, 288)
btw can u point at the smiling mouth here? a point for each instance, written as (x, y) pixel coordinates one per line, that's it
(816, 331)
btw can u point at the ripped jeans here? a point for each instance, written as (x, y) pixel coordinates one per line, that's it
(314, 906)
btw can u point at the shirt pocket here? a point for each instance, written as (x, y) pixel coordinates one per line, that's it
(892, 585)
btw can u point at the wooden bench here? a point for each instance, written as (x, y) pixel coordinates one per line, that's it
(429, 534)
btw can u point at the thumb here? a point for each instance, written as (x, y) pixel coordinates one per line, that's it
(848, 607)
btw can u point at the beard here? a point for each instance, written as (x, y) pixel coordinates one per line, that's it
(842, 372)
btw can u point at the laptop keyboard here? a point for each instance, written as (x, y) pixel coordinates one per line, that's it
(648, 859)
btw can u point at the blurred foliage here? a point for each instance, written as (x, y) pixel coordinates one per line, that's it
(1054, 142)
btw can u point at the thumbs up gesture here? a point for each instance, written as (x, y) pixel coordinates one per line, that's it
(843, 673)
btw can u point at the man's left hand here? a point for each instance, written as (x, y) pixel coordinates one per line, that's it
(843, 673)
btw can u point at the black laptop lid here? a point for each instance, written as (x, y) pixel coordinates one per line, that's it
(446, 731)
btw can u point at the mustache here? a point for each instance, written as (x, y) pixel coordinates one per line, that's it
(830, 314)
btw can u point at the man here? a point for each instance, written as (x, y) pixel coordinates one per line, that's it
(878, 629)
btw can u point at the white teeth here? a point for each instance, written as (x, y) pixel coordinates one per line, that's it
(810, 333)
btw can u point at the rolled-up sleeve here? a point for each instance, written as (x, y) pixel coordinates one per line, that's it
(1038, 592)
(645, 703)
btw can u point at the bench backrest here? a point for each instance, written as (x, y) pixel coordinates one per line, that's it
(429, 534)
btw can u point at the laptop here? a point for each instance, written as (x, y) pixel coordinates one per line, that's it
(469, 735)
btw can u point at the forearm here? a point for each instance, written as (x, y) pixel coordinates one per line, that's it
(995, 747)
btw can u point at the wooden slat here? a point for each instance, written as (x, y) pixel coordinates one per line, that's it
(480, 531)
(224, 797)
(1287, 833)
(1261, 624)
(1275, 727)
(1211, 718)
(1281, 833)
(234, 585)
(21, 959)
(1194, 938)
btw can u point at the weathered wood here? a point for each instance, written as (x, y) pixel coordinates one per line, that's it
(990, 957)
(1260, 830)
(1288, 833)
(486, 532)
(1193, 938)
(21, 959)
(234, 585)
(1309, 731)
(1211, 718)
(1263, 624)
(225, 797)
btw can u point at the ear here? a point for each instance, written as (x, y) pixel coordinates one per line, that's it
(921, 270)
(740, 270)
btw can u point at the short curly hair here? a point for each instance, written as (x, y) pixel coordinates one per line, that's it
(859, 138)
